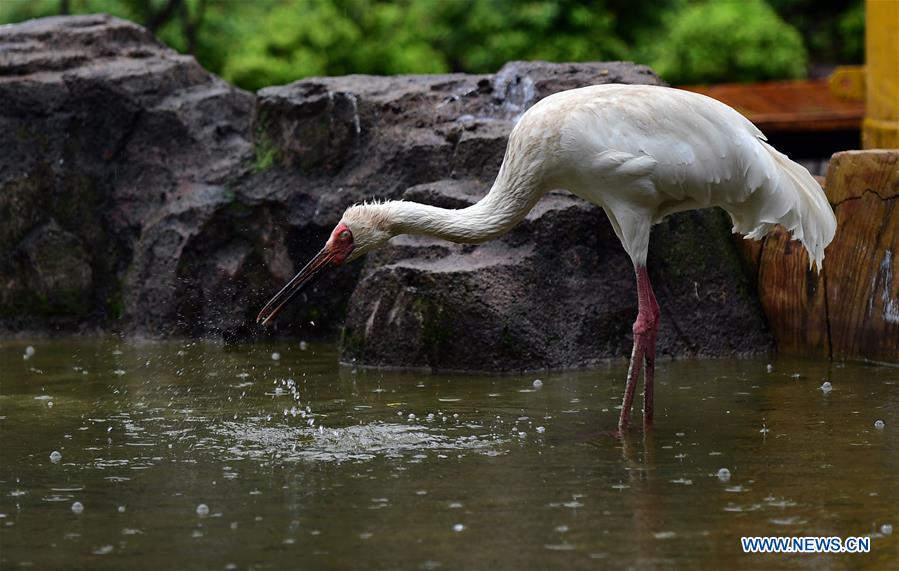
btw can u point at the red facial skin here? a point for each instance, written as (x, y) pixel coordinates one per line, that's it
(340, 244)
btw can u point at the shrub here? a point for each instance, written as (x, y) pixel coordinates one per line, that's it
(304, 38)
(728, 41)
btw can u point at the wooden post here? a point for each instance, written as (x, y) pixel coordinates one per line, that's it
(851, 310)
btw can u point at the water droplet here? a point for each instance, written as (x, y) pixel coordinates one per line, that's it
(276, 356)
(879, 425)
(537, 383)
(458, 527)
(724, 474)
(826, 387)
(55, 456)
(202, 510)
(77, 508)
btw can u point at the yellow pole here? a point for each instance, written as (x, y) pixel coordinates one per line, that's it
(881, 126)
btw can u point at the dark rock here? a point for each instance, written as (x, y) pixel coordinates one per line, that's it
(558, 291)
(520, 84)
(56, 273)
(119, 145)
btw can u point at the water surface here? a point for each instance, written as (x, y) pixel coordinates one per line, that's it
(194, 455)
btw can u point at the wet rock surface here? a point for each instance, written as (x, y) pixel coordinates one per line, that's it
(180, 204)
(124, 150)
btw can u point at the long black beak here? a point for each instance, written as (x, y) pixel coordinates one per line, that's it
(306, 276)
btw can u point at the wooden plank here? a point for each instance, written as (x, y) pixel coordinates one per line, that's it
(784, 106)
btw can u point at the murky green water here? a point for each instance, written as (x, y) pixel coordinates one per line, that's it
(353, 469)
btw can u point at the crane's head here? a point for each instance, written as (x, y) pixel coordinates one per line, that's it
(361, 229)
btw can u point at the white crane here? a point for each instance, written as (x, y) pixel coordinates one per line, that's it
(641, 153)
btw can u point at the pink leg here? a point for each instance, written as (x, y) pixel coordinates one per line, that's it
(646, 329)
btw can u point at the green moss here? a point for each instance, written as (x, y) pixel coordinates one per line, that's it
(70, 301)
(507, 344)
(238, 210)
(436, 330)
(266, 153)
(115, 303)
(350, 343)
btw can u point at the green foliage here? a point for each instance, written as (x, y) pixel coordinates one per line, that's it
(255, 43)
(851, 32)
(727, 41)
(834, 31)
(311, 37)
(481, 35)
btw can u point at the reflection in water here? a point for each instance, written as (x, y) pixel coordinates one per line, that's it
(196, 455)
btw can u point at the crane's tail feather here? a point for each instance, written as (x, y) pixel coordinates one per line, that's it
(795, 200)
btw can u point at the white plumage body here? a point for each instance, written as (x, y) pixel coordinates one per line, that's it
(643, 152)
(640, 152)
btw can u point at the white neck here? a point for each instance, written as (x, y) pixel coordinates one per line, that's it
(507, 203)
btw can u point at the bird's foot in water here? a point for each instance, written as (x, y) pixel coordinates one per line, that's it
(643, 357)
